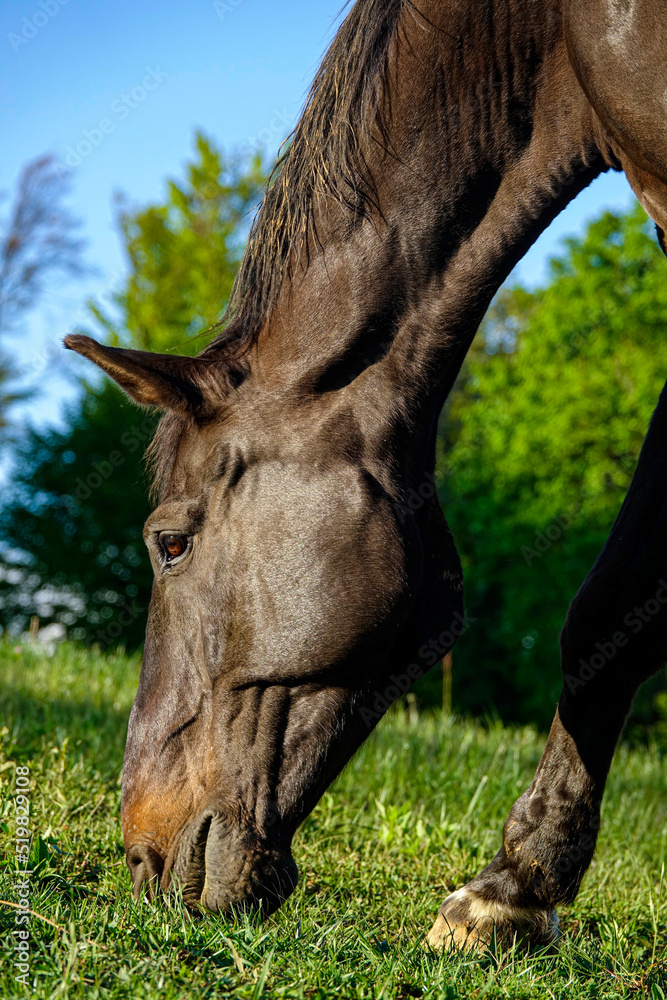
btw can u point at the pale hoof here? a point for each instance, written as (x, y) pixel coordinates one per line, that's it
(466, 922)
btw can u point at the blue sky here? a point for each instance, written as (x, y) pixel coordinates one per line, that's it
(154, 72)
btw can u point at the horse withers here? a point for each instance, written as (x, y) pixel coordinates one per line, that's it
(439, 139)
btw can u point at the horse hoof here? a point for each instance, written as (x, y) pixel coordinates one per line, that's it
(466, 922)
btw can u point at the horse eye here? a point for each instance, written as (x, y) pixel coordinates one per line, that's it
(173, 546)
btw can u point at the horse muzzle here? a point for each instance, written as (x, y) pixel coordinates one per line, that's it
(220, 867)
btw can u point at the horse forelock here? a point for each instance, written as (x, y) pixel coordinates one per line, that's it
(161, 453)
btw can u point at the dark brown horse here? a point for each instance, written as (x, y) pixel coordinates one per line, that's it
(293, 582)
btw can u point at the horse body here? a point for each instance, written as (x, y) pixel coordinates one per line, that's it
(292, 581)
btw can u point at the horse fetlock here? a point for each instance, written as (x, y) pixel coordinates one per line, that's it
(548, 843)
(513, 901)
(468, 921)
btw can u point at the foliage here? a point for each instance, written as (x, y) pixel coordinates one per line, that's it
(78, 501)
(538, 449)
(417, 813)
(183, 255)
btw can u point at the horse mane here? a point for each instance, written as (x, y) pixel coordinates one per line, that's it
(324, 157)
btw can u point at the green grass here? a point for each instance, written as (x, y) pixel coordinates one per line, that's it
(417, 812)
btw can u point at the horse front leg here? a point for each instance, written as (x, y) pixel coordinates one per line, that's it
(614, 638)
(548, 842)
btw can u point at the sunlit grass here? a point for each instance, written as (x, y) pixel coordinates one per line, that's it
(417, 812)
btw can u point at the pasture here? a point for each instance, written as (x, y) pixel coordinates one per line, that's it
(417, 812)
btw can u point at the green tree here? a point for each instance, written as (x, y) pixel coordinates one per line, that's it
(73, 523)
(183, 255)
(540, 443)
(75, 518)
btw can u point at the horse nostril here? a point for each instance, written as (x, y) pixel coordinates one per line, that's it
(145, 866)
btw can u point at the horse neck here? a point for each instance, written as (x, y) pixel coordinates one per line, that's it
(489, 136)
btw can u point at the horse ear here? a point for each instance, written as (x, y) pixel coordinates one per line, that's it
(169, 381)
